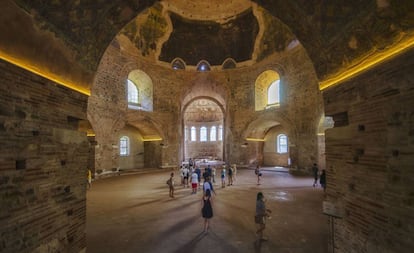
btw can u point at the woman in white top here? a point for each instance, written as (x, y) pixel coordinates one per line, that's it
(194, 182)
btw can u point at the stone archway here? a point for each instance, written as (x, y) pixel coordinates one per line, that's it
(203, 121)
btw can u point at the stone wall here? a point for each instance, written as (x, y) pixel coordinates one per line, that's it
(233, 90)
(370, 158)
(270, 155)
(135, 159)
(43, 162)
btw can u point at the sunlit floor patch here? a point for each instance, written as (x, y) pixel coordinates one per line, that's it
(280, 196)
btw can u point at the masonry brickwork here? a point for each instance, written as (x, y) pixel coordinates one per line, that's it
(299, 113)
(369, 158)
(43, 164)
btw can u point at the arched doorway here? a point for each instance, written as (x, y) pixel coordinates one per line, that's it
(203, 121)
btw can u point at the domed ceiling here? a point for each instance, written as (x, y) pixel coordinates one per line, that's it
(338, 36)
(212, 32)
(203, 110)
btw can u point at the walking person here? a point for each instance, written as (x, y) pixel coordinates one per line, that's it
(207, 185)
(230, 175)
(89, 176)
(170, 183)
(209, 170)
(258, 174)
(213, 174)
(182, 174)
(186, 172)
(223, 177)
(315, 171)
(322, 180)
(234, 168)
(194, 182)
(261, 214)
(207, 210)
(198, 171)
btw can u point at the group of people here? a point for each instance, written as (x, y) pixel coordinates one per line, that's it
(193, 174)
(187, 175)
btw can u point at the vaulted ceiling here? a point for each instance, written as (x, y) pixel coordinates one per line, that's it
(66, 38)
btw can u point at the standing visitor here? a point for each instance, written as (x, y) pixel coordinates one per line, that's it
(261, 214)
(198, 171)
(182, 174)
(207, 185)
(258, 174)
(186, 173)
(207, 210)
(206, 175)
(230, 174)
(209, 170)
(315, 174)
(89, 176)
(170, 183)
(322, 180)
(223, 177)
(234, 168)
(194, 182)
(213, 174)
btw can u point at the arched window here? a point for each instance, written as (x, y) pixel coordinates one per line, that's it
(268, 88)
(220, 133)
(193, 134)
(273, 95)
(139, 89)
(282, 144)
(229, 63)
(178, 63)
(132, 92)
(203, 66)
(213, 133)
(124, 146)
(203, 133)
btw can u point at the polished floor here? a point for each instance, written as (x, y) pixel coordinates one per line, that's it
(134, 213)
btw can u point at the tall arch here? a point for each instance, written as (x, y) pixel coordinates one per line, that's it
(260, 136)
(267, 81)
(202, 116)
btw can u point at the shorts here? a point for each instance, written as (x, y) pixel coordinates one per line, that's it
(259, 219)
(194, 185)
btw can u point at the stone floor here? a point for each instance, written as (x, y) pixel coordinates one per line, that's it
(133, 213)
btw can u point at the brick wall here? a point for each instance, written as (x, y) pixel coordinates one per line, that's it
(43, 163)
(299, 112)
(370, 158)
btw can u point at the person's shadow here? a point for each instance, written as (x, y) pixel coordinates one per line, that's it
(220, 244)
(257, 245)
(190, 246)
